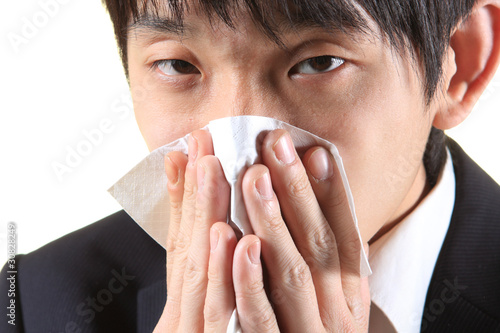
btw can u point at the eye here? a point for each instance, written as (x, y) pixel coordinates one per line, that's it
(318, 65)
(175, 67)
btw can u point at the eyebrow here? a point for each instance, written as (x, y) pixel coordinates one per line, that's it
(152, 27)
(161, 25)
(164, 25)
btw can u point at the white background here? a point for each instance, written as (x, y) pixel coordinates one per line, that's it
(64, 79)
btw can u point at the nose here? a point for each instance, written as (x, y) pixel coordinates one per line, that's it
(247, 94)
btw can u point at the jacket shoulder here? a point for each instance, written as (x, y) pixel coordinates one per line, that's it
(90, 278)
(110, 240)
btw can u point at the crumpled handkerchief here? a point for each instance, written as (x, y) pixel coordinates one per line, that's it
(143, 194)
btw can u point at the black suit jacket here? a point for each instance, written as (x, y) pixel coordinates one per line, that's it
(464, 293)
(110, 276)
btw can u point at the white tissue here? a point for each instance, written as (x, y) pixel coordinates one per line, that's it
(143, 194)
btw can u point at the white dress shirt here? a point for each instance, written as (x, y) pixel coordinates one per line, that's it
(403, 260)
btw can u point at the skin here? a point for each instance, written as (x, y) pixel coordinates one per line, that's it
(371, 106)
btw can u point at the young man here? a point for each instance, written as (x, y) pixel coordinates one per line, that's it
(379, 79)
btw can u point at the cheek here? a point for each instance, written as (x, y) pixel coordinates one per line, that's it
(386, 132)
(162, 117)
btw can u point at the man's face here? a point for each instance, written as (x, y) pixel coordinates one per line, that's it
(355, 92)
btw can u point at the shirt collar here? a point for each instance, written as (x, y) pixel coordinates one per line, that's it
(403, 259)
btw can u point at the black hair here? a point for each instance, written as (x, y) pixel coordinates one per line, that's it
(421, 28)
(417, 28)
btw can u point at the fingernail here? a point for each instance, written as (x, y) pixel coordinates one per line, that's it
(171, 170)
(214, 238)
(192, 149)
(200, 175)
(253, 252)
(320, 164)
(284, 149)
(264, 187)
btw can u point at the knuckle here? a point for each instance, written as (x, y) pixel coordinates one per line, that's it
(274, 223)
(255, 287)
(171, 244)
(323, 247)
(181, 244)
(199, 215)
(351, 246)
(277, 297)
(266, 320)
(175, 217)
(176, 207)
(212, 316)
(298, 187)
(189, 191)
(173, 307)
(298, 276)
(173, 303)
(349, 250)
(344, 323)
(263, 320)
(250, 291)
(194, 275)
(217, 279)
(176, 249)
(323, 240)
(202, 218)
(214, 276)
(357, 307)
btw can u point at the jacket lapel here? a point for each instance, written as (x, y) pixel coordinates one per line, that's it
(463, 295)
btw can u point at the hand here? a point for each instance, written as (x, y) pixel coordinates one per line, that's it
(312, 286)
(312, 259)
(200, 294)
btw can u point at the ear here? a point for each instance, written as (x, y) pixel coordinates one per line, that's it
(472, 60)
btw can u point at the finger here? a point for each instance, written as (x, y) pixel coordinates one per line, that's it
(329, 190)
(308, 226)
(175, 167)
(327, 184)
(292, 289)
(199, 145)
(305, 220)
(359, 306)
(212, 202)
(220, 301)
(254, 309)
(333, 201)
